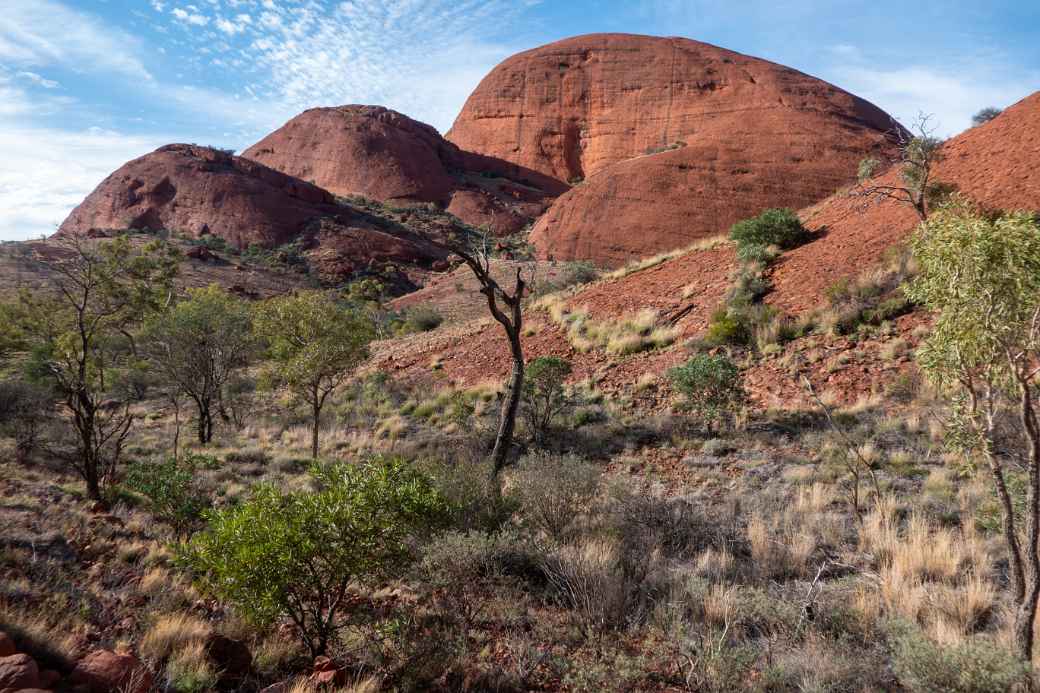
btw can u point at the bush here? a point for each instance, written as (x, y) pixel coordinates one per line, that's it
(421, 319)
(711, 387)
(25, 410)
(570, 274)
(294, 555)
(728, 327)
(173, 490)
(779, 227)
(544, 397)
(551, 492)
(975, 666)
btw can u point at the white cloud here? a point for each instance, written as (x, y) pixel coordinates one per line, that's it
(951, 97)
(190, 16)
(39, 80)
(47, 172)
(44, 32)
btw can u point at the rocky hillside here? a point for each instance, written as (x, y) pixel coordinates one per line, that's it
(380, 154)
(671, 139)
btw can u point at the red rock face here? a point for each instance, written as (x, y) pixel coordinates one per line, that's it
(674, 139)
(198, 191)
(383, 155)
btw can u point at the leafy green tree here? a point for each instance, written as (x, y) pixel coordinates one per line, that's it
(295, 554)
(711, 386)
(314, 343)
(981, 276)
(544, 395)
(779, 227)
(917, 153)
(80, 334)
(198, 344)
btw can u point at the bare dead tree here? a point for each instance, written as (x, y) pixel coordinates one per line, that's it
(506, 307)
(917, 152)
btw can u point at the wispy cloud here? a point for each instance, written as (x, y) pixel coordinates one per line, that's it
(43, 32)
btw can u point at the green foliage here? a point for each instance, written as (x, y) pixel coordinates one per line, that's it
(544, 396)
(11, 339)
(727, 327)
(779, 227)
(867, 168)
(295, 554)
(982, 276)
(711, 386)
(198, 345)
(314, 343)
(172, 488)
(79, 335)
(975, 666)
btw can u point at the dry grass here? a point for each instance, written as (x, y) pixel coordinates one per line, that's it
(626, 335)
(170, 634)
(646, 263)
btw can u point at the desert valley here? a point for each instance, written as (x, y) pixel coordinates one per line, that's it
(666, 368)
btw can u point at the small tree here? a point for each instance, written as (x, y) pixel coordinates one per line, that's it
(711, 387)
(198, 345)
(544, 394)
(982, 277)
(81, 333)
(25, 409)
(552, 492)
(985, 115)
(294, 555)
(917, 154)
(314, 343)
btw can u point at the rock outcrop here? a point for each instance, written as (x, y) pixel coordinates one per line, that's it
(198, 191)
(383, 155)
(671, 139)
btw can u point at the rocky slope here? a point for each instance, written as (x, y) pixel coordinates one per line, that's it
(996, 164)
(380, 154)
(674, 139)
(198, 191)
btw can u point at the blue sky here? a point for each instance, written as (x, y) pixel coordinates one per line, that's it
(86, 85)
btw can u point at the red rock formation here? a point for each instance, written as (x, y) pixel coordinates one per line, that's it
(198, 191)
(383, 155)
(996, 164)
(674, 139)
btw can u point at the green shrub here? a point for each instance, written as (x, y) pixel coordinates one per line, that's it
(779, 227)
(570, 274)
(755, 253)
(975, 666)
(173, 490)
(294, 555)
(711, 387)
(544, 397)
(727, 327)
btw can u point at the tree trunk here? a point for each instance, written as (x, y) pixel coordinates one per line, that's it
(90, 474)
(205, 423)
(316, 424)
(507, 418)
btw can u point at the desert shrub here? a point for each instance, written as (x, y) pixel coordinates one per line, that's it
(974, 666)
(551, 492)
(727, 327)
(570, 274)
(293, 555)
(544, 397)
(779, 227)
(173, 490)
(711, 387)
(985, 115)
(421, 318)
(25, 410)
(755, 253)
(461, 474)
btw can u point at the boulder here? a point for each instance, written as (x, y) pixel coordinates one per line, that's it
(104, 671)
(18, 672)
